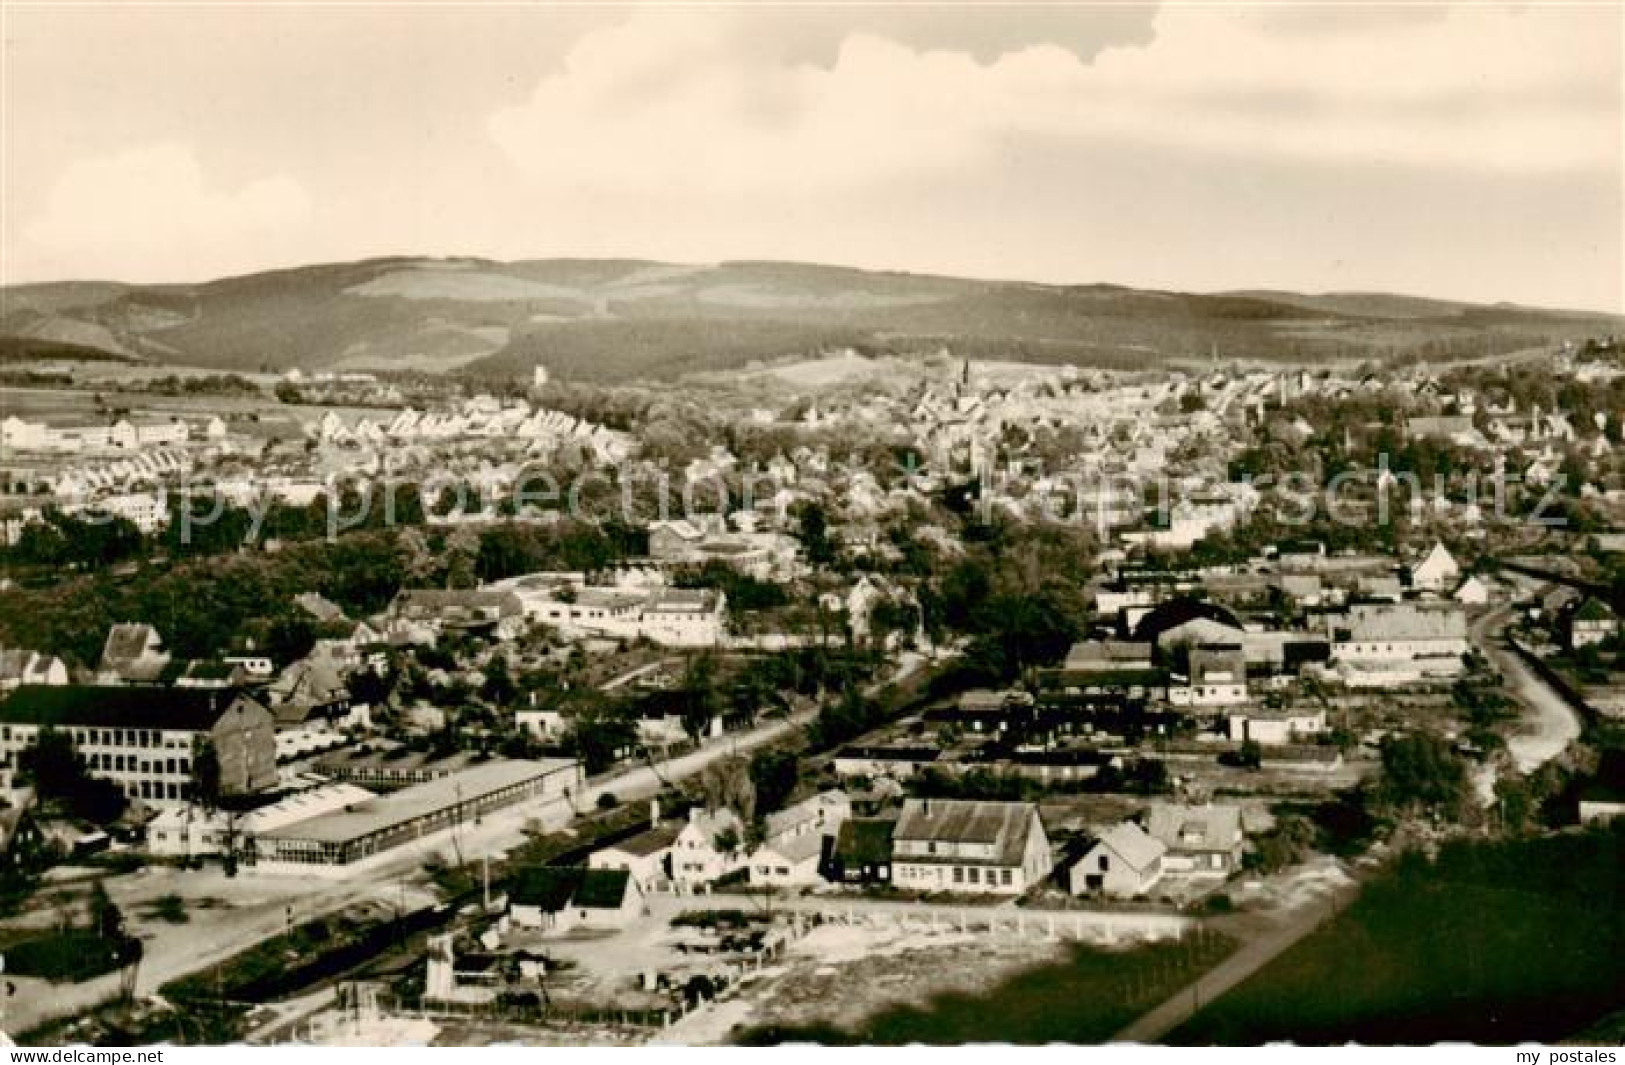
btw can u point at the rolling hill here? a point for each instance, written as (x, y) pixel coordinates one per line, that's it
(619, 319)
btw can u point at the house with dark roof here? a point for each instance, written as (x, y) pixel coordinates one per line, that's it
(144, 739)
(1103, 667)
(966, 846)
(1218, 677)
(860, 852)
(646, 856)
(1123, 861)
(488, 610)
(133, 654)
(899, 763)
(559, 898)
(1591, 622)
(1602, 798)
(211, 673)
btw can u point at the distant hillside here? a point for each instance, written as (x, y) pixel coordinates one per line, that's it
(618, 319)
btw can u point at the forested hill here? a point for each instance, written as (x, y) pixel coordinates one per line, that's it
(618, 319)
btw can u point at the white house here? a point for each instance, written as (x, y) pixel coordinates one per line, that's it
(698, 854)
(1438, 572)
(1472, 592)
(1200, 840)
(974, 847)
(1277, 727)
(1123, 862)
(794, 840)
(1218, 677)
(647, 856)
(1428, 639)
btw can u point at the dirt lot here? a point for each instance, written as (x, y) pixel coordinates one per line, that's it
(838, 975)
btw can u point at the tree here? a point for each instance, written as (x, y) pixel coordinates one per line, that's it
(106, 919)
(728, 841)
(773, 775)
(207, 787)
(499, 687)
(812, 529)
(1423, 773)
(1250, 755)
(598, 734)
(703, 702)
(58, 775)
(1288, 843)
(726, 785)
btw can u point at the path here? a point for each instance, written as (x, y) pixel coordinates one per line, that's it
(632, 675)
(1253, 956)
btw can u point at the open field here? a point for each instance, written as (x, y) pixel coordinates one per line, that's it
(1493, 943)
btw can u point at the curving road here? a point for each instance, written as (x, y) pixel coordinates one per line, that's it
(1549, 723)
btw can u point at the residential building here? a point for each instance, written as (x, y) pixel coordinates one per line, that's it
(899, 763)
(973, 847)
(1199, 840)
(1432, 636)
(1218, 677)
(1123, 861)
(1591, 622)
(710, 846)
(1438, 572)
(30, 667)
(646, 856)
(1277, 727)
(860, 853)
(566, 898)
(133, 654)
(793, 840)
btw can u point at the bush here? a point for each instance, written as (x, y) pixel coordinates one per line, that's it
(608, 801)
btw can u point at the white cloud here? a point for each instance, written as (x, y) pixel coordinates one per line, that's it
(667, 103)
(154, 205)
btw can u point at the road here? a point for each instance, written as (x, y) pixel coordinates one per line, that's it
(1549, 724)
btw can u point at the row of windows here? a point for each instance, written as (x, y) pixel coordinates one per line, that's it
(103, 737)
(118, 763)
(156, 789)
(964, 875)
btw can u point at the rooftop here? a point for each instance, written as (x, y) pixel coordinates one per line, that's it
(420, 800)
(119, 706)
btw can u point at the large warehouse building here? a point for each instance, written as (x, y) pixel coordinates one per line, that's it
(370, 828)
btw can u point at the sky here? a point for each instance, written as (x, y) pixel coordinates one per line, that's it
(1467, 151)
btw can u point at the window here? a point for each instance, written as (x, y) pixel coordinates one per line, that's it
(1008, 877)
(975, 875)
(959, 875)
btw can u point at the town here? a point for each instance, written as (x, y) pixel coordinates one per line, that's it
(385, 707)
